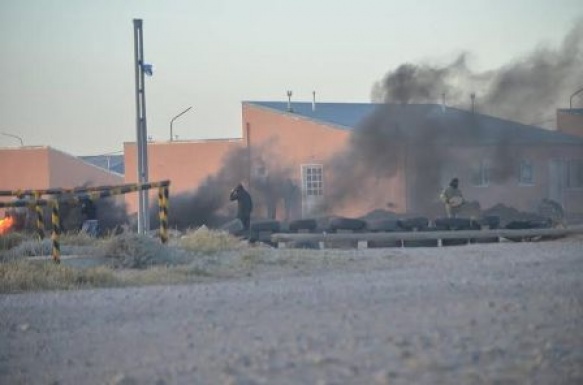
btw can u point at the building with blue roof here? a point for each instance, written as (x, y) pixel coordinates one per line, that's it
(352, 158)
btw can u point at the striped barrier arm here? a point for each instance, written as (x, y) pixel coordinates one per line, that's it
(83, 190)
(38, 202)
(93, 195)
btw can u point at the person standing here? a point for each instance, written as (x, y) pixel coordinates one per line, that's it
(452, 197)
(244, 205)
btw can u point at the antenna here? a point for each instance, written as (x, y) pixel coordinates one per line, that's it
(289, 95)
(313, 100)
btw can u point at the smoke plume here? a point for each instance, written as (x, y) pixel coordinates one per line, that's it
(209, 204)
(527, 90)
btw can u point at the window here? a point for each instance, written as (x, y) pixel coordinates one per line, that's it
(481, 174)
(575, 173)
(526, 173)
(312, 177)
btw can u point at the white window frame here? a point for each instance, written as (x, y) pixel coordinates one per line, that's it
(313, 179)
(480, 176)
(526, 173)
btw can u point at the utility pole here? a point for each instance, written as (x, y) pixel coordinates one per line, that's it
(141, 129)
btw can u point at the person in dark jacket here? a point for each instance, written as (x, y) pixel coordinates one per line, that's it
(244, 205)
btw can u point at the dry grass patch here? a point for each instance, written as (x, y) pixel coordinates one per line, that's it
(77, 238)
(10, 240)
(207, 241)
(137, 251)
(19, 276)
(163, 275)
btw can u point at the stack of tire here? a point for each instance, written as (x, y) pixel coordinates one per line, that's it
(345, 225)
(418, 224)
(382, 226)
(455, 224)
(304, 226)
(261, 231)
(488, 222)
(526, 224)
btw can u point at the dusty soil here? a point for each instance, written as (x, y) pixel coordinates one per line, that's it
(508, 313)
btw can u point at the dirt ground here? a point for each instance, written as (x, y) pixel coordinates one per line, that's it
(507, 313)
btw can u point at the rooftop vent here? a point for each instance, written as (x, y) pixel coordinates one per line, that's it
(289, 107)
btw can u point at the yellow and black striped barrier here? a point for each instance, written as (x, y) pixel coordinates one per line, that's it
(40, 221)
(163, 212)
(55, 218)
(82, 194)
(59, 191)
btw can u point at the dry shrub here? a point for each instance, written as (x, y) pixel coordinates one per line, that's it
(28, 248)
(77, 238)
(207, 241)
(12, 239)
(137, 251)
(19, 276)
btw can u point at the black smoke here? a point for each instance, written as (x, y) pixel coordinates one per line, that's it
(259, 171)
(527, 90)
(410, 130)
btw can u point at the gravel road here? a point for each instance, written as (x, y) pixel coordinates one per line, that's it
(508, 313)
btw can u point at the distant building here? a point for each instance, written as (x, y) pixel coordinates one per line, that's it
(570, 121)
(309, 159)
(39, 168)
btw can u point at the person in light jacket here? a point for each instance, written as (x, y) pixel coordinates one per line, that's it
(452, 197)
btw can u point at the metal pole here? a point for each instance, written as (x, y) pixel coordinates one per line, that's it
(571, 98)
(174, 118)
(141, 128)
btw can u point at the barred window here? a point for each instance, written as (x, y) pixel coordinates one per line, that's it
(312, 176)
(480, 176)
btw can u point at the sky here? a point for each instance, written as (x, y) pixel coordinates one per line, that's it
(67, 66)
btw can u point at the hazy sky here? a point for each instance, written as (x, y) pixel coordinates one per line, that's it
(67, 66)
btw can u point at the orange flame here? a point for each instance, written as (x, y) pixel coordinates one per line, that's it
(6, 224)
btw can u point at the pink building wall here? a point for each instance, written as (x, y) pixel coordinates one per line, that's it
(289, 140)
(45, 167)
(40, 168)
(185, 163)
(570, 122)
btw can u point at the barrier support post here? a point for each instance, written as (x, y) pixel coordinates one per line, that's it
(163, 212)
(56, 251)
(40, 221)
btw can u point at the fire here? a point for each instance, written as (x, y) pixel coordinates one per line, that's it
(6, 224)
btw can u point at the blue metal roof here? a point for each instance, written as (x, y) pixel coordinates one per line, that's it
(343, 115)
(418, 120)
(113, 163)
